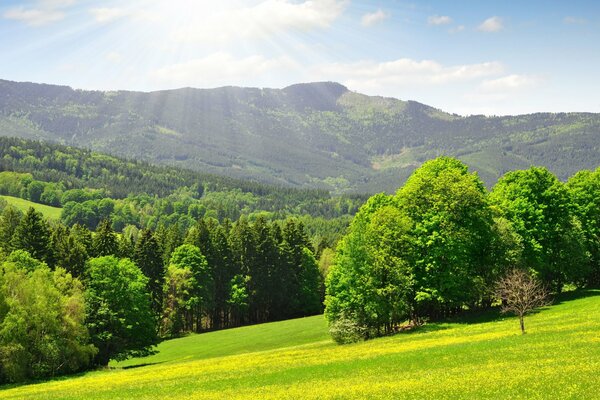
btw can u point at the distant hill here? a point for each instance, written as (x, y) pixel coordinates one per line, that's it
(311, 135)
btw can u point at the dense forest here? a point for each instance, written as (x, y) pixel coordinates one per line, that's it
(91, 187)
(307, 135)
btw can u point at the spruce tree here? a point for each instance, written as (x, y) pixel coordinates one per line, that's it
(148, 257)
(32, 235)
(104, 242)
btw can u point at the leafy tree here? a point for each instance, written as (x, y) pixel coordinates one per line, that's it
(452, 234)
(148, 257)
(119, 316)
(368, 287)
(584, 188)
(189, 257)
(42, 331)
(32, 235)
(178, 299)
(540, 209)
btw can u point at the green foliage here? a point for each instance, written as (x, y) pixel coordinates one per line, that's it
(584, 188)
(32, 235)
(118, 309)
(148, 257)
(541, 211)
(42, 332)
(426, 252)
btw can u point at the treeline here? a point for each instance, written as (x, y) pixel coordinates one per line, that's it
(72, 299)
(439, 245)
(55, 170)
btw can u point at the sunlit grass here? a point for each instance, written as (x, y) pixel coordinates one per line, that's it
(23, 205)
(558, 358)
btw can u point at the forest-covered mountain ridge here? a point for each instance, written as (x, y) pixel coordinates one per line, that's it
(320, 135)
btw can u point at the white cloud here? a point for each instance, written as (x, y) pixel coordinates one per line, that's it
(43, 12)
(575, 20)
(492, 24)
(220, 69)
(33, 16)
(373, 18)
(439, 20)
(114, 57)
(509, 83)
(457, 29)
(262, 20)
(106, 14)
(110, 14)
(371, 76)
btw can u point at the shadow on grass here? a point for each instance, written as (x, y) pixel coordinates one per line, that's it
(575, 294)
(140, 365)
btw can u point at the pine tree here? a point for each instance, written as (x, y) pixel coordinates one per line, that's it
(104, 242)
(148, 257)
(9, 220)
(32, 235)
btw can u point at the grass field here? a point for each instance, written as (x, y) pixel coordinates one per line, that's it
(479, 358)
(23, 205)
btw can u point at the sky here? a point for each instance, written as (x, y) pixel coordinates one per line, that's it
(465, 57)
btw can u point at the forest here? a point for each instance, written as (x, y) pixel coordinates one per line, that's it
(74, 295)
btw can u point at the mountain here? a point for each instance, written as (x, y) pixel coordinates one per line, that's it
(312, 135)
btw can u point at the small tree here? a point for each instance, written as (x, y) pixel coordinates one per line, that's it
(521, 293)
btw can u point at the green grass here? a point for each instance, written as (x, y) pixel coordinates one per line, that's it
(23, 205)
(473, 358)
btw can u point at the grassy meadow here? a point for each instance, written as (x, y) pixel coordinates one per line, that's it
(483, 357)
(23, 205)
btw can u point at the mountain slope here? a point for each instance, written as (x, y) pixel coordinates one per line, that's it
(318, 134)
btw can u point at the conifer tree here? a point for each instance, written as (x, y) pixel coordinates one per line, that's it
(104, 242)
(32, 235)
(148, 257)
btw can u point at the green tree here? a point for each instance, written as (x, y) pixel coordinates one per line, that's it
(178, 299)
(452, 233)
(32, 235)
(119, 316)
(148, 257)
(189, 257)
(104, 241)
(540, 209)
(42, 331)
(9, 220)
(585, 193)
(369, 285)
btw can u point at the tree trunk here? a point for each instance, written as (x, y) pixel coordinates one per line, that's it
(521, 320)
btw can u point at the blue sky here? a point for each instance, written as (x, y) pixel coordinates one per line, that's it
(468, 57)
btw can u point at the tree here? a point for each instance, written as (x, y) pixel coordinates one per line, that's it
(9, 220)
(105, 242)
(178, 293)
(521, 294)
(452, 234)
(368, 286)
(584, 188)
(541, 212)
(42, 331)
(189, 257)
(118, 309)
(32, 235)
(148, 257)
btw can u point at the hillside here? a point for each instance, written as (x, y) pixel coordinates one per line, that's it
(311, 135)
(23, 205)
(485, 358)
